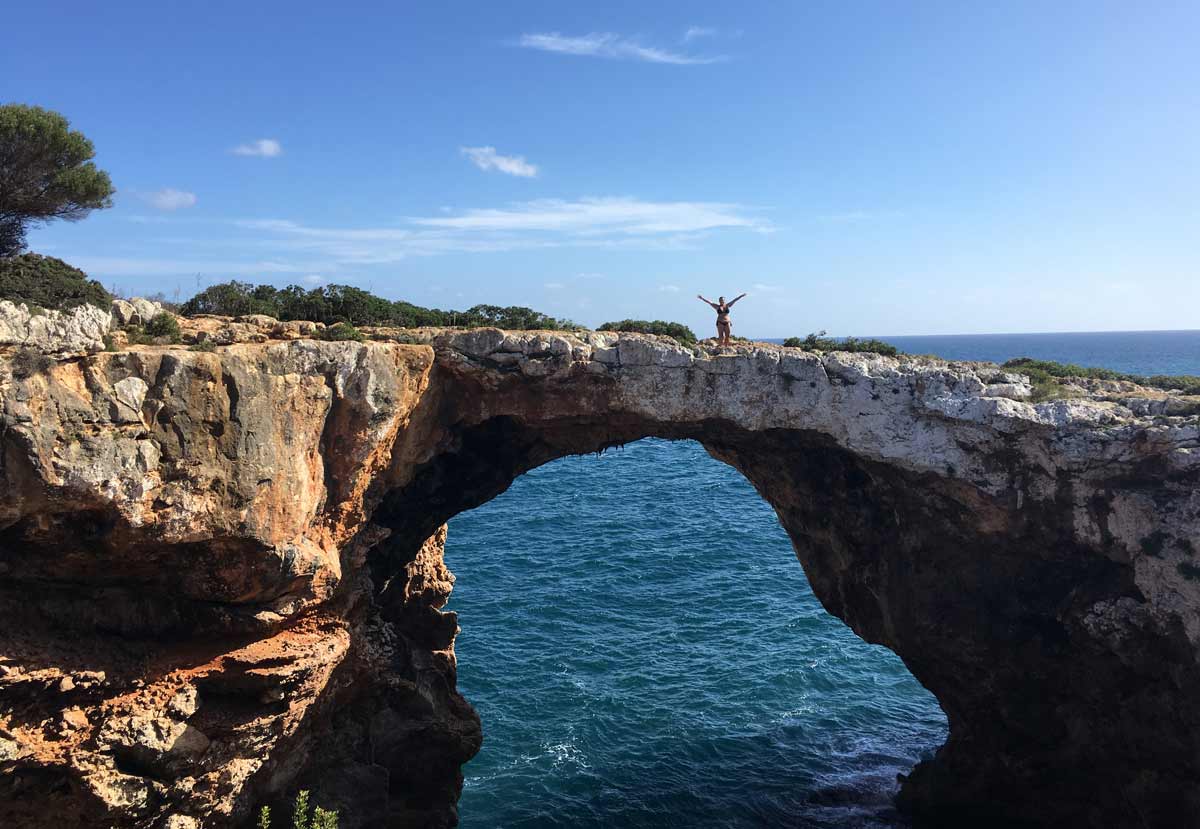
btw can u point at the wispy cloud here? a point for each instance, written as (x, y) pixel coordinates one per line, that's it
(262, 148)
(486, 158)
(670, 289)
(168, 198)
(554, 286)
(593, 216)
(609, 45)
(761, 288)
(310, 252)
(694, 32)
(166, 266)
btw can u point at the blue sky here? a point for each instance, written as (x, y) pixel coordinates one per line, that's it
(865, 168)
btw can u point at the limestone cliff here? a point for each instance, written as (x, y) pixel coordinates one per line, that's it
(221, 574)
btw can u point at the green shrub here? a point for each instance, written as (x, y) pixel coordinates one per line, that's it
(343, 303)
(46, 282)
(163, 325)
(203, 345)
(342, 331)
(677, 331)
(1045, 372)
(820, 342)
(302, 818)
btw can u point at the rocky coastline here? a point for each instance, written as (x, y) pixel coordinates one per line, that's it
(221, 570)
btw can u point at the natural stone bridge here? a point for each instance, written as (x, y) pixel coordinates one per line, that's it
(221, 574)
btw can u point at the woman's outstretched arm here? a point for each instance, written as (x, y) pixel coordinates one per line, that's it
(735, 299)
(706, 301)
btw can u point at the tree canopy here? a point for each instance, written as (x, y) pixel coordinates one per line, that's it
(46, 173)
(343, 303)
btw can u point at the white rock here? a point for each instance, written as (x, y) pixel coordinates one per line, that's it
(78, 331)
(184, 703)
(123, 314)
(130, 393)
(146, 310)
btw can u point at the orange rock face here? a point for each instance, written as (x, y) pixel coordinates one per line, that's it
(221, 573)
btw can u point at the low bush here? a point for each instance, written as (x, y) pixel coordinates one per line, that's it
(29, 361)
(341, 332)
(677, 331)
(163, 325)
(48, 283)
(820, 342)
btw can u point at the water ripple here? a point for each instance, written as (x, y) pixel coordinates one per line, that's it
(645, 651)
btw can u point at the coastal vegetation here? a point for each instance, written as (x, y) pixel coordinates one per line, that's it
(302, 817)
(675, 330)
(821, 342)
(46, 173)
(1047, 373)
(342, 331)
(343, 303)
(46, 282)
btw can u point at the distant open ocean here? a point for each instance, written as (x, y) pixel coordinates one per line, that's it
(645, 651)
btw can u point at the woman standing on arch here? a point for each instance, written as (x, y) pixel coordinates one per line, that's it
(724, 326)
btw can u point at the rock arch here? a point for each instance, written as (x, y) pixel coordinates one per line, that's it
(269, 515)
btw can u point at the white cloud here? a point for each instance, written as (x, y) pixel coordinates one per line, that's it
(263, 148)
(671, 289)
(608, 45)
(312, 279)
(486, 158)
(759, 287)
(554, 286)
(612, 215)
(694, 32)
(169, 199)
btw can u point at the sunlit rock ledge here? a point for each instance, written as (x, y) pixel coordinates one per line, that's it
(221, 574)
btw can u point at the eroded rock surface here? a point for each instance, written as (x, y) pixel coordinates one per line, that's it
(221, 574)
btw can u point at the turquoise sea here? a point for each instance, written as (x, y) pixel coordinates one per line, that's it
(645, 651)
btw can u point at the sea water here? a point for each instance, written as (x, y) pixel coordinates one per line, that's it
(645, 651)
